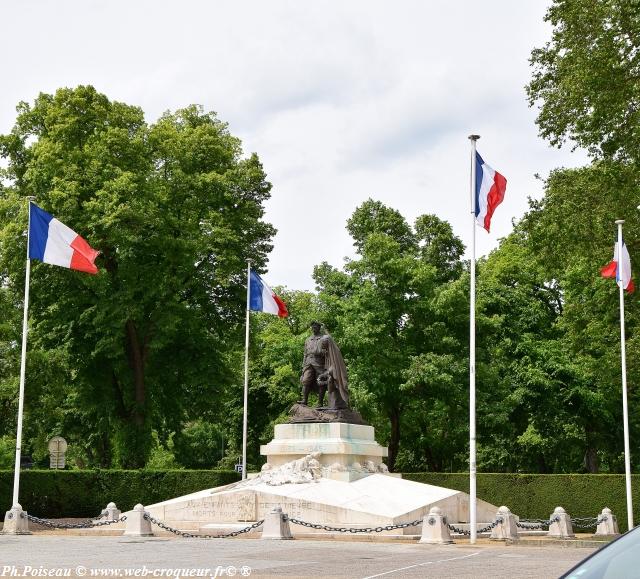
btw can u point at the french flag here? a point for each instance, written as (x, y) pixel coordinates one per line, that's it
(620, 268)
(51, 241)
(490, 188)
(262, 298)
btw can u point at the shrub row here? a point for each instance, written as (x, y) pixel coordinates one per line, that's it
(84, 493)
(536, 495)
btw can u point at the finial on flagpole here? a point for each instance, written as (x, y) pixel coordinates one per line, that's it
(474, 137)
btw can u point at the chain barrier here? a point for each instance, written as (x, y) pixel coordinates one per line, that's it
(535, 524)
(90, 524)
(353, 529)
(459, 530)
(587, 522)
(188, 535)
(467, 533)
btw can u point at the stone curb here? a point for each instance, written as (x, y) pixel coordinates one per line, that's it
(565, 543)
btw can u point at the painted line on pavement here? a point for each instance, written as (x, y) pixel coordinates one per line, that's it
(422, 565)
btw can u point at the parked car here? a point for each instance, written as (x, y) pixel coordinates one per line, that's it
(620, 559)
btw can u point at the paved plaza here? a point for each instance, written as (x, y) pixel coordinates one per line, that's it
(85, 556)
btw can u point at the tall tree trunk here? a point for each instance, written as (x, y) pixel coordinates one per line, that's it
(394, 441)
(134, 438)
(591, 453)
(136, 363)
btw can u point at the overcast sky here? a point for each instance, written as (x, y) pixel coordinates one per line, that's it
(342, 100)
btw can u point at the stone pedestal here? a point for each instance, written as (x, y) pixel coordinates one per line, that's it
(348, 451)
(327, 473)
(16, 522)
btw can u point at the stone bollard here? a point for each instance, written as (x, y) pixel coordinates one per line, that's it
(276, 525)
(507, 529)
(608, 524)
(561, 528)
(111, 513)
(137, 525)
(435, 530)
(16, 522)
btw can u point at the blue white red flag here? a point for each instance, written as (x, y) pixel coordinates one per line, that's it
(51, 241)
(262, 298)
(620, 268)
(490, 189)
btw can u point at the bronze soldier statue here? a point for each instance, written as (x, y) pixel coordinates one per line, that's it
(323, 370)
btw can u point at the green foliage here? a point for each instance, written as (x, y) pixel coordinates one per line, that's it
(175, 211)
(7, 452)
(162, 455)
(84, 493)
(199, 445)
(390, 312)
(586, 77)
(533, 496)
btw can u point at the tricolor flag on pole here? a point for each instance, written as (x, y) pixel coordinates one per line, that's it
(50, 241)
(620, 268)
(53, 242)
(260, 298)
(490, 189)
(263, 299)
(487, 192)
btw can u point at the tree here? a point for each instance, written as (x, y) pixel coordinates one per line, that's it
(587, 78)
(571, 232)
(383, 311)
(175, 211)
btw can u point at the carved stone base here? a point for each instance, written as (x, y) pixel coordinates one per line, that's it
(344, 451)
(300, 414)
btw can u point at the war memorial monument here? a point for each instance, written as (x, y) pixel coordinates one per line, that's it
(324, 465)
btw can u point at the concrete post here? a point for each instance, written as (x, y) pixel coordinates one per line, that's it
(608, 524)
(137, 525)
(276, 525)
(562, 528)
(111, 513)
(16, 522)
(435, 530)
(506, 528)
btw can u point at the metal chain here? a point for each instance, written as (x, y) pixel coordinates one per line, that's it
(91, 523)
(188, 535)
(486, 529)
(353, 529)
(458, 530)
(587, 522)
(535, 524)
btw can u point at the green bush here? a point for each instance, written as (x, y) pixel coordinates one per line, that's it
(7, 451)
(84, 493)
(199, 445)
(534, 496)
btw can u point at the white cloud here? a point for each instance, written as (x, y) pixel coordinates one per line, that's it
(342, 100)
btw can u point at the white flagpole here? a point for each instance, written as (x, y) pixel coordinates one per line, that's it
(246, 377)
(625, 409)
(23, 366)
(472, 350)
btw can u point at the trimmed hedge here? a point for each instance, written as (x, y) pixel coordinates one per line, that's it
(534, 496)
(84, 493)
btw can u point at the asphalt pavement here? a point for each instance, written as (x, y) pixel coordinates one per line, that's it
(83, 556)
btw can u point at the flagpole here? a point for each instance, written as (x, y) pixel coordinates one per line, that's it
(625, 408)
(246, 377)
(23, 365)
(472, 351)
